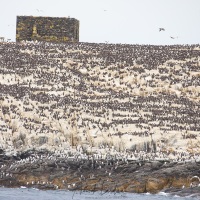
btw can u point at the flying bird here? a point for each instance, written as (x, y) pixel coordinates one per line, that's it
(173, 37)
(39, 10)
(161, 29)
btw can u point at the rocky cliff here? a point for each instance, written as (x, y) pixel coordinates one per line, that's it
(107, 117)
(104, 98)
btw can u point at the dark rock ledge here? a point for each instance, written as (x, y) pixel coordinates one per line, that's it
(45, 171)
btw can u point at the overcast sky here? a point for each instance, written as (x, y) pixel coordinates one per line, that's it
(115, 21)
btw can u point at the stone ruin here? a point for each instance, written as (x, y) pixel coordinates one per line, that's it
(50, 29)
(2, 39)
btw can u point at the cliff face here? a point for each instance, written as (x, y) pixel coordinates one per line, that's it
(100, 99)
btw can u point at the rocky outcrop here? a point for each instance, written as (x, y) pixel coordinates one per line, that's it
(116, 117)
(105, 97)
(98, 175)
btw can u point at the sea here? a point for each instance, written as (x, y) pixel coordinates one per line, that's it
(35, 194)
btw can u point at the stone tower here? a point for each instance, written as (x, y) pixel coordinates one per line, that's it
(51, 29)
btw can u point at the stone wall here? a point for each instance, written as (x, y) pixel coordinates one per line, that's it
(52, 29)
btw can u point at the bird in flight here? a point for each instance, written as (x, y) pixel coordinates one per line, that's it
(161, 29)
(173, 37)
(39, 10)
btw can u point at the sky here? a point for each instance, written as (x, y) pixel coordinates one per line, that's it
(114, 21)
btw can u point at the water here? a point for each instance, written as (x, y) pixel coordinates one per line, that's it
(35, 194)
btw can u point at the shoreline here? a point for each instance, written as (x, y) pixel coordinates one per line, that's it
(177, 178)
(189, 193)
